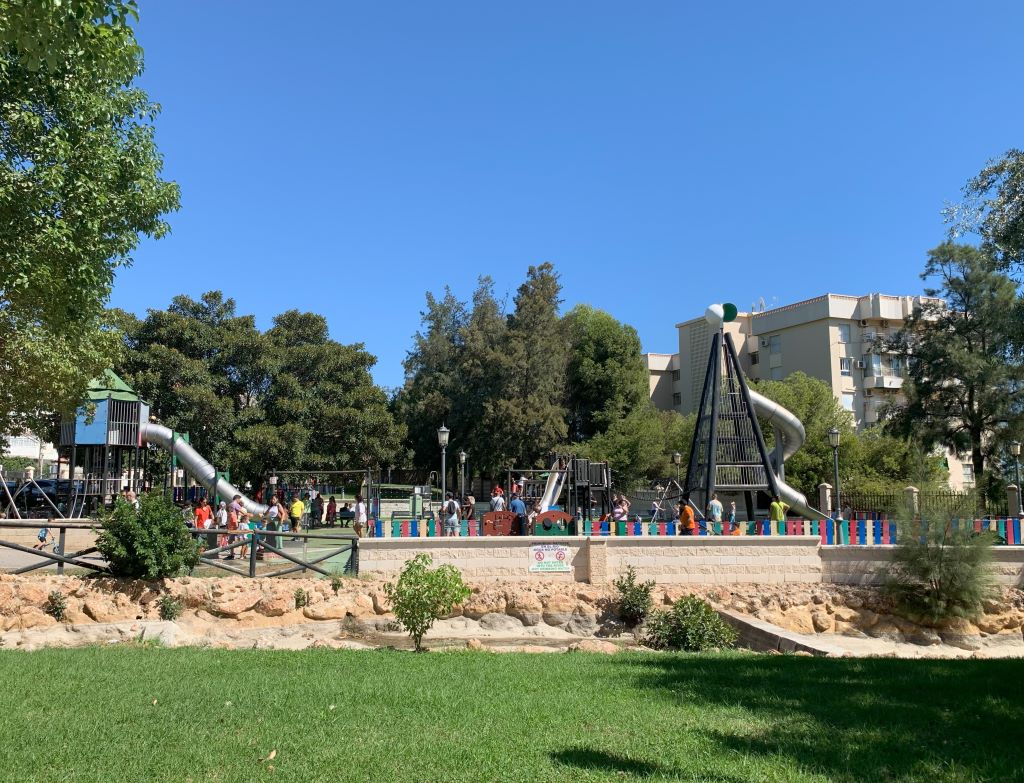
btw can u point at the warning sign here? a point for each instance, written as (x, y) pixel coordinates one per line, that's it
(549, 558)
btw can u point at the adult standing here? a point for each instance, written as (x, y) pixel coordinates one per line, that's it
(316, 514)
(687, 520)
(518, 507)
(497, 499)
(359, 523)
(777, 510)
(715, 510)
(450, 513)
(332, 511)
(204, 517)
(295, 512)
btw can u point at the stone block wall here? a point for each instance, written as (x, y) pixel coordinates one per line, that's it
(600, 560)
(865, 565)
(717, 560)
(479, 559)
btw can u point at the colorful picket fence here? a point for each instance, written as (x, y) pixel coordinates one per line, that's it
(845, 532)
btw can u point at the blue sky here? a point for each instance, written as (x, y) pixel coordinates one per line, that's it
(346, 157)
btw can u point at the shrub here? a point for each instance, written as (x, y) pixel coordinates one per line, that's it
(56, 606)
(301, 598)
(336, 583)
(634, 599)
(691, 624)
(938, 573)
(170, 609)
(151, 542)
(423, 595)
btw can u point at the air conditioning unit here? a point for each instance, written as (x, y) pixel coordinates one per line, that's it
(863, 321)
(885, 324)
(860, 364)
(764, 342)
(868, 392)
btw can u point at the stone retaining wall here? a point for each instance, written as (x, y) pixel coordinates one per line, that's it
(600, 560)
(864, 565)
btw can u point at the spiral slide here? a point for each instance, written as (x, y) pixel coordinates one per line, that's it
(791, 430)
(194, 463)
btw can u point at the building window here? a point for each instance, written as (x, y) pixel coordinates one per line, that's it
(896, 365)
(845, 366)
(776, 373)
(848, 401)
(775, 343)
(873, 365)
(755, 357)
(844, 333)
(968, 474)
(675, 375)
(677, 399)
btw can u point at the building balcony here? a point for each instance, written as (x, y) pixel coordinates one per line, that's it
(883, 382)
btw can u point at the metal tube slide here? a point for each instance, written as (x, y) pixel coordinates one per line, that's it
(201, 470)
(791, 430)
(553, 488)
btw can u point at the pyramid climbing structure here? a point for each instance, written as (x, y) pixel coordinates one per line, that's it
(728, 454)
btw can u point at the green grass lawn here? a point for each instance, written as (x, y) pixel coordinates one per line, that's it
(89, 715)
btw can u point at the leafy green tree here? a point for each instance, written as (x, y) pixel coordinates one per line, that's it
(432, 382)
(423, 595)
(813, 402)
(994, 208)
(322, 400)
(201, 366)
(639, 445)
(43, 31)
(252, 401)
(79, 184)
(528, 420)
(964, 371)
(606, 376)
(480, 376)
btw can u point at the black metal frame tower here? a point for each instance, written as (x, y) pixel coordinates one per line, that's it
(728, 454)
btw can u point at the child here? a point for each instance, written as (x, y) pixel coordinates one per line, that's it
(734, 529)
(43, 534)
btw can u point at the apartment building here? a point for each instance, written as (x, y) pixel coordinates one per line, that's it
(833, 337)
(663, 379)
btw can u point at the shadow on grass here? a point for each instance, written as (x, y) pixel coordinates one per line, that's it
(601, 761)
(863, 719)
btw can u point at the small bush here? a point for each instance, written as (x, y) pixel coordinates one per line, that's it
(56, 606)
(151, 542)
(170, 609)
(301, 598)
(336, 583)
(423, 595)
(938, 573)
(634, 599)
(691, 625)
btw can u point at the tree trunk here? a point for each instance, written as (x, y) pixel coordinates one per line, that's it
(978, 462)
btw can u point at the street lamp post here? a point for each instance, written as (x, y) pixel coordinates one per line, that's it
(833, 439)
(462, 473)
(1015, 451)
(677, 460)
(442, 441)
